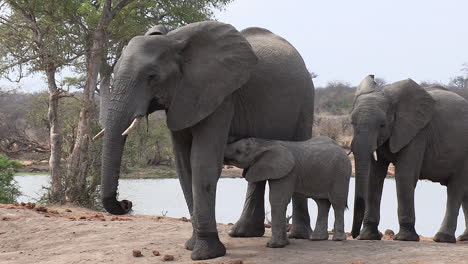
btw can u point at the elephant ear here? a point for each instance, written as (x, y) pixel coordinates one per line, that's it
(414, 108)
(216, 60)
(272, 163)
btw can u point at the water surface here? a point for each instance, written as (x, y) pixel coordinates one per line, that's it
(165, 197)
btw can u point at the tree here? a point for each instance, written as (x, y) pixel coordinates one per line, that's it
(33, 40)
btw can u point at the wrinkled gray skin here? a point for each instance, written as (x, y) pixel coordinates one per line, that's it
(213, 82)
(317, 168)
(424, 133)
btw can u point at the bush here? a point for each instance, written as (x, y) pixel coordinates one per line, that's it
(9, 189)
(338, 128)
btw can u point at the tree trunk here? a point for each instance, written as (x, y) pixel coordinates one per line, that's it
(56, 191)
(78, 163)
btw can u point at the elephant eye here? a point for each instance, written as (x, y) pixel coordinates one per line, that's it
(153, 77)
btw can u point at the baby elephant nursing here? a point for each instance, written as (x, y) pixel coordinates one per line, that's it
(317, 168)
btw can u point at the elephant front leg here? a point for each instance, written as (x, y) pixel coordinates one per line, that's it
(371, 221)
(455, 193)
(406, 176)
(252, 221)
(182, 144)
(300, 220)
(206, 159)
(280, 195)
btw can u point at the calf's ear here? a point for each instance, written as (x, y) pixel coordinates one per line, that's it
(272, 163)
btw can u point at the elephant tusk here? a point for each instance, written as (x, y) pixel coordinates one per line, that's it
(374, 154)
(132, 126)
(99, 135)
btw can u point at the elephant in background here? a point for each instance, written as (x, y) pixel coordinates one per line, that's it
(317, 168)
(214, 82)
(424, 133)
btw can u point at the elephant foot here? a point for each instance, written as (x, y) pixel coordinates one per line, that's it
(464, 236)
(300, 231)
(245, 229)
(339, 236)
(277, 243)
(319, 235)
(208, 246)
(370, 232)
(407, 233)
(190, 244)
(443, 237)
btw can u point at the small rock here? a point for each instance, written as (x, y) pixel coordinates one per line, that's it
(389, 232)
(41, 208)
(82, 217)
(53, 211)
(184, 219)
(68, 210)
(168, 258)
(137, 253)
(156, 253)
(30, 205)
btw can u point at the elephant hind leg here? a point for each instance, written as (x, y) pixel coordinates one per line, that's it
(455, 193)
(321, 226)
(300, 219)
(464, 236)
(252, 221)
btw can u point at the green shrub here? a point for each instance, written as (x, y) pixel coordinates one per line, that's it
(9, 189)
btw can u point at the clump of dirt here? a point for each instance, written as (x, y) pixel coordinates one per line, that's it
(168, 258)
(388, 234)
(41, 208)
(117, 218)
(137, 253)
(185, 219)
(68, 210)
(236, 261)
(156, 253)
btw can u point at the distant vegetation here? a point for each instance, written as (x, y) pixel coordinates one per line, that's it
(8, 188)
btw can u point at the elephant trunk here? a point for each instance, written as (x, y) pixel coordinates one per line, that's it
(118, 118)
(362, 159)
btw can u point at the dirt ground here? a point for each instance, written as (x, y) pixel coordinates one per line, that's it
(76, 235)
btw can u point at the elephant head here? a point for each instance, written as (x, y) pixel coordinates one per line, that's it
(263, 159)
(393, 115)
(188, 72)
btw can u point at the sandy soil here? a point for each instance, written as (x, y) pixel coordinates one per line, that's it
(76, 235)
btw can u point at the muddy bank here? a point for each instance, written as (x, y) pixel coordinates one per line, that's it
(76, 235)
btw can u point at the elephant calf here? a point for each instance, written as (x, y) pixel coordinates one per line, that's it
(317, 168)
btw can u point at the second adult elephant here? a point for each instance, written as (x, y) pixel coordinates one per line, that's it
(424, 133)
(213, 82)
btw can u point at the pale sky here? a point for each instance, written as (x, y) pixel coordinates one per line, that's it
(348, 39)
(426, 40)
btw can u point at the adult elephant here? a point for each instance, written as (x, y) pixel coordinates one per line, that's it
(214, 82)
(424, 133)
